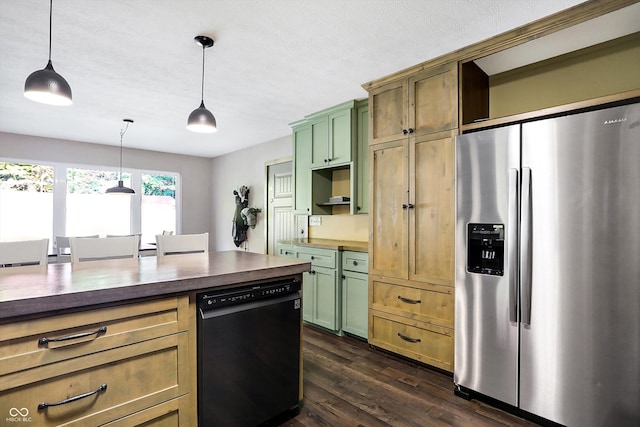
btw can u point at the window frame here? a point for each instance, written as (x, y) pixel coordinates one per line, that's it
(60, 192)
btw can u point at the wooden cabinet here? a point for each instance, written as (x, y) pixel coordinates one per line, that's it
(355, 291)
(321, 288)
(99, 366)
(425, 102)
(412, 223)
(411, 233)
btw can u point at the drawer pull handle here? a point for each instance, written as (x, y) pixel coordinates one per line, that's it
(408, 339)
(45, 340)
(45, 405)
(409, 300)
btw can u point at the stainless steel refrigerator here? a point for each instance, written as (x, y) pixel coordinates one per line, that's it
(547, 297)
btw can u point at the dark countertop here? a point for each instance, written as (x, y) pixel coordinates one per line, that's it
(338, 245)
(38, 289)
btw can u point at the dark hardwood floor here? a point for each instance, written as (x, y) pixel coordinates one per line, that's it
(347, 383)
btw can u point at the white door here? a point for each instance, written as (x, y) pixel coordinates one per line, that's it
(280, 221)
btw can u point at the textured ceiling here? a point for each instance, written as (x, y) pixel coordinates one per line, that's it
(273, 62)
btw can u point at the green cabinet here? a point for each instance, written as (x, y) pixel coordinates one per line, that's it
(362, 161)
(355, 293)
(320, 287)
(333, 136)
(302, 167)
(325, 142)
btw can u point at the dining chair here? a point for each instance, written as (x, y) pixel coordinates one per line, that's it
(63, 249)
(24, 252)
(125, 235)
(95, 248)
(167, 244)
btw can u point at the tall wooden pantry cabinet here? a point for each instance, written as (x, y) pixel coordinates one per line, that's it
(413, 121)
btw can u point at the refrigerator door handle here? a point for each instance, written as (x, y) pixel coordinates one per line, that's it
(512, 245)
(525, 247)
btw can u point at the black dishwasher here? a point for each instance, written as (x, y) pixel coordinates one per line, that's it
(249, 350)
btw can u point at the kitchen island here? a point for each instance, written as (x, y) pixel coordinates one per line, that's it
(119, 333)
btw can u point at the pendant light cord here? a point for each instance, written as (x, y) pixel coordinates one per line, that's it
(50, 25)
(122, 132)
(202, 84)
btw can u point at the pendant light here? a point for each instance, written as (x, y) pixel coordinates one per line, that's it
(46, 85)
(120, 188)
(201, 119)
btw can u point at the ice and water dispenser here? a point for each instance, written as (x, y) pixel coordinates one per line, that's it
(485, 249)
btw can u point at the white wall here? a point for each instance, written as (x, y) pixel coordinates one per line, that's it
(228, 172)
(194, 171)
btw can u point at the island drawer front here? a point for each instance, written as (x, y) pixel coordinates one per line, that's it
(137, 377)
(418, 340)
(174, 413)
(355, 261)
(125, 324)
(429, 303)
(318, 257)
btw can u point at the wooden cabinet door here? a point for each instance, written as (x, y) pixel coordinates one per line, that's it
(319, 142)
(302, 169)
(388, 243)
(433, 100)
(325, 297)
(431, 225)
(388, 112)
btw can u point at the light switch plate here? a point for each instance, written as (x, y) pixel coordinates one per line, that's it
(315, 220)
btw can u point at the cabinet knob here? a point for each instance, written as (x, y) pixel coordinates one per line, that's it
(344, 277)
(410, 206)
(312, 257)
(355, 262)
(326, 160)
(410, 130)
(404, 206)
(404, 131)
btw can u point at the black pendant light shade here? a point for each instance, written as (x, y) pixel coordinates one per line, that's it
(46, 85)
(201, 119)
(120, 188)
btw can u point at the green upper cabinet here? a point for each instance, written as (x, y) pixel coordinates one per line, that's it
(331, 140)
(362, 161)
(302, 135)
(333, 136)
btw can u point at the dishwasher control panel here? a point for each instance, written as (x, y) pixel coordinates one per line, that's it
(221, 298)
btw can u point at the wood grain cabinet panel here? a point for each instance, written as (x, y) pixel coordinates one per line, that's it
(109, 363)
(424, 342)
(413, 124)
(429, 304)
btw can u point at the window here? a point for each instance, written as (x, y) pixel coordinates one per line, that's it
(158, 211)
(89, 210)
(26, 201)
(44, 201)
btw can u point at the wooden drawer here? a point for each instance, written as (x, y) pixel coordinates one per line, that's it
(355, 261)
(137, 377)
(430, 303)
(418, 340)
(287, 251)
(21, 347)
(173, 413)
(318, 257)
